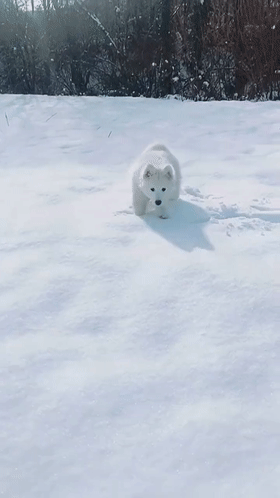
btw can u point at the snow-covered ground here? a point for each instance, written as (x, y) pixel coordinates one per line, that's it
(139, 357)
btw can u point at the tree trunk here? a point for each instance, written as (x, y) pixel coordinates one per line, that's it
(166, 46)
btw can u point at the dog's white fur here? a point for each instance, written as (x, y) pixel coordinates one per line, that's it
(156, 177)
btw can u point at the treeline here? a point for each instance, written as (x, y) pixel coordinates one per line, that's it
(197, 49)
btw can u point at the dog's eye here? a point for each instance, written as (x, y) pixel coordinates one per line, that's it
(152, 189)
(163, 189)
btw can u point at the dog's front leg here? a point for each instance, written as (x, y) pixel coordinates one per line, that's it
(139, 201)
(162, 213)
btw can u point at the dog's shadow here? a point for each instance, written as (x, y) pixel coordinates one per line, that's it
(185, 226)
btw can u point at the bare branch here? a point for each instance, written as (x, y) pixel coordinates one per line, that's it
(99, 24)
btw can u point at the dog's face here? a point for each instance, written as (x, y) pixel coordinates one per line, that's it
(157, 183)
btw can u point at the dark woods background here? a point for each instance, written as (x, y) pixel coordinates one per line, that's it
(211, 49)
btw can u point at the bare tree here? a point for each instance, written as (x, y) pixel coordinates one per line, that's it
(197, 49)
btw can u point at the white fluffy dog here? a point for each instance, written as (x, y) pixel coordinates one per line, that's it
(156, 178)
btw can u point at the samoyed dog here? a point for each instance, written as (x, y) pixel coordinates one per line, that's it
(156, 180)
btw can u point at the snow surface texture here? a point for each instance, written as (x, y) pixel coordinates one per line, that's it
(139, 357)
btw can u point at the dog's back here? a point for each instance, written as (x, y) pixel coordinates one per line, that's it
(156, 146)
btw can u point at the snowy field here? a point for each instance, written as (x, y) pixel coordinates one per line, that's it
(139, 357)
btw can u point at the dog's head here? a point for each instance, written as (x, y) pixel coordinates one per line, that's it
(156, 183)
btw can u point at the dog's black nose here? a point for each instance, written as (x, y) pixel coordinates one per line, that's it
(158, 203)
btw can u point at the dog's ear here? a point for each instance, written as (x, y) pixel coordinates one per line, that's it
(168, 172)
(149, 171)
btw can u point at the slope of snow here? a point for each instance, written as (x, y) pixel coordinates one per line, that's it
(139, 357)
